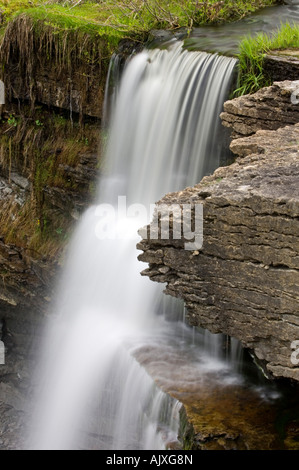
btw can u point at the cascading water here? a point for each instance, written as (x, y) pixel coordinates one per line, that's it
(164, 136)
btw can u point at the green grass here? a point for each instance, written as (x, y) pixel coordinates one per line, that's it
(103, 23)
(127, 16)
(253, 49)
(9, 7)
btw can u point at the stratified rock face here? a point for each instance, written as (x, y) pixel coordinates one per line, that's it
(37, 65)
(244, 281)
(269, 109)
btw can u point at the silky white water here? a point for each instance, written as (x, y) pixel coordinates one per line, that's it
(92, 390)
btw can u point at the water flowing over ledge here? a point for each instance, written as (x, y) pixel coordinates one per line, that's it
(164, 135)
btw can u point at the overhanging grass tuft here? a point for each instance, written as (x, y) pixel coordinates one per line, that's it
(31, 45)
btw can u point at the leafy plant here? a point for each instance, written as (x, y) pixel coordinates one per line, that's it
(12, 121)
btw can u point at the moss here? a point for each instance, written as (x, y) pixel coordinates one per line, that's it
(10, 7)
(186, 431)
(80, 21)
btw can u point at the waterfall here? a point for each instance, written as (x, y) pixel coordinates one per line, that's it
(93, 391)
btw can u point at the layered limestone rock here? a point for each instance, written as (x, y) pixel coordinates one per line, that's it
(269, 109)
(244, 281)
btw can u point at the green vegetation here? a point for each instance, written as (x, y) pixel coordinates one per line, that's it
(86, 32)
(12, 121)
(132, 16)
(253, 50)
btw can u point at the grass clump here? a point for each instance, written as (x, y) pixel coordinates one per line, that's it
(253, 49)
(10, 7)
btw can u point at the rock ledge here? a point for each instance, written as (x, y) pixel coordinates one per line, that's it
(244, 281)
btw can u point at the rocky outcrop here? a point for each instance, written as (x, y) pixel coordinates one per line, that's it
(244, 281)
(73, 199)
(269, 109)
(41, 64)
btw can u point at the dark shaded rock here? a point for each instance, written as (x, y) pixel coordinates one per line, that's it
(41, 65)
(65, 69)
(12, 422)
(282, 65)
(235, 418)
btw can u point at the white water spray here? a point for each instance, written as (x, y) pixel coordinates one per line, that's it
(163, 137)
